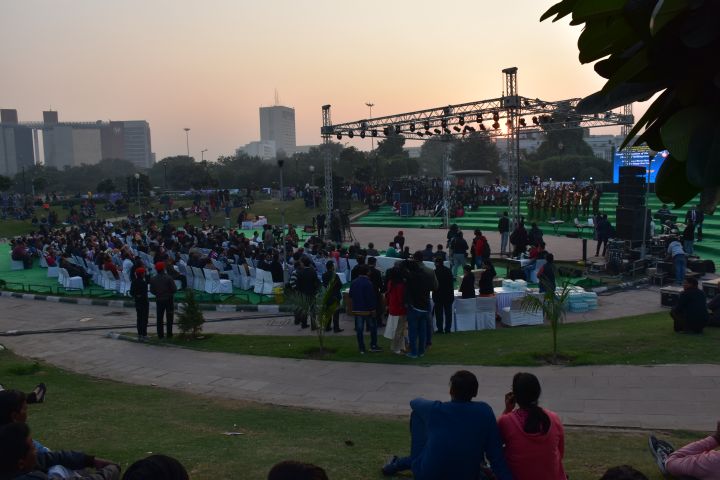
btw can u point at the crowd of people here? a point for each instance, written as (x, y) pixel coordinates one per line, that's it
(460, 439)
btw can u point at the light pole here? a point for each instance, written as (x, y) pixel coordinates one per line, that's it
(372, 140)
(202, 155)
(312, 183)
(187, 140)
(137, 191)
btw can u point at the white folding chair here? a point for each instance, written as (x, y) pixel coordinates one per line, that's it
(268, 284)
(259, 280)
(198, 278)
(71, 283)
(215, 284)
(485, 312)
(464, 313)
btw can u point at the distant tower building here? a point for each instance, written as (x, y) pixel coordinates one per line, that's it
(138, 149)
(16, 144)
(277, 124)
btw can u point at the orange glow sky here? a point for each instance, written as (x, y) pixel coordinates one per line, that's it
(208, 65)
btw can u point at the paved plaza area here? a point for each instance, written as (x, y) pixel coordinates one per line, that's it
(657, 397)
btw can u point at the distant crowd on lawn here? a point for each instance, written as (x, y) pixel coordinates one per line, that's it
(460, 439)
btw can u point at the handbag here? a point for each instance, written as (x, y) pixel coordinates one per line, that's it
(391, 326)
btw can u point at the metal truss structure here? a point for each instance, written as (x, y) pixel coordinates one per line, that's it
(509, 116)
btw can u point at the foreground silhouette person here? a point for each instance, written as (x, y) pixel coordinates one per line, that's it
(450, 440)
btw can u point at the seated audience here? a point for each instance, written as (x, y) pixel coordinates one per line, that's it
(449, 439)
(486, 279)
(690, 313)
(533, 436)
(699, 460)
(156, 467)
(546, 275)
(292, 470)
(19, 459)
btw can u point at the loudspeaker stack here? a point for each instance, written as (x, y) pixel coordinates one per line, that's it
(631, 217)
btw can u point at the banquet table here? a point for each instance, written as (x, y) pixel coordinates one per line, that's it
(505, 296)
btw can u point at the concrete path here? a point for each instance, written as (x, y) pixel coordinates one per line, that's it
(657, 397)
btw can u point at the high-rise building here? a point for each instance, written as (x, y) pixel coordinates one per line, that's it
(16, 144)
(68, 144)
(277, 124)
(263, 149)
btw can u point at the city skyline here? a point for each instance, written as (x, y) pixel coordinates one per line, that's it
(210, 66)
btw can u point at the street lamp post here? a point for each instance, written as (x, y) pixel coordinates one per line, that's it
(202, 155)
(137, 191)
(312, 184)
(187, 140)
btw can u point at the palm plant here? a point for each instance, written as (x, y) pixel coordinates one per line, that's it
(318, 308)
(553, 303)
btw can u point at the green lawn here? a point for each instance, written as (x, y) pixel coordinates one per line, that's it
(124, 423)
(640, 340)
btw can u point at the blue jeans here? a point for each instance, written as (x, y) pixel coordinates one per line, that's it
(504, 237)
(458, 260)
(418, 439)
(688, 247)
(680, 263)
(417, 330)
(360, 330)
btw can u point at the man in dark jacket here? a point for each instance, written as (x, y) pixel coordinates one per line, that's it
(139, 293)
(19, 459)
(379, 287)
(331, 280)
(443, 297)
(163, 287)
(364, 304)
(504, 229)
(307, 284)
(420, 283)
(690, 313)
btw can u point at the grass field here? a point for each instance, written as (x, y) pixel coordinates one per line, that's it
(640, 340)
(124, 423)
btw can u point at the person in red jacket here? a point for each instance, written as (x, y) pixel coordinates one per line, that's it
(533, 436)
(395, 301)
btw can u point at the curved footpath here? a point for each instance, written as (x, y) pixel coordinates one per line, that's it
(657, 397)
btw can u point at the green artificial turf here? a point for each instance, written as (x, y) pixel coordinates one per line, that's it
(639, 340)
(124, 423)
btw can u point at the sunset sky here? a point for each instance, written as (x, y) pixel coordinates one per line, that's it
(208, 65)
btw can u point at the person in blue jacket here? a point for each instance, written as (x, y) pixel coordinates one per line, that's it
(452, 440)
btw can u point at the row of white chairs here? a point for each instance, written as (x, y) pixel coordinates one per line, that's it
(474, 314)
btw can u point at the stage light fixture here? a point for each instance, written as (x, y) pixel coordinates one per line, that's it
(398, 128)
(447, 131)
(496, 125)
(420, 134)
(461, 120)
(386, 131)
(456, 128)
(339, 136)
(496, 116)
(479, 119)
(437, 131)
(535, 121)
(426, 124)
(412, 127)
(373, 132)
(522, 122)
(483, 127)
(526, 102)
(362, 133)
(470, 129)
(351, 134)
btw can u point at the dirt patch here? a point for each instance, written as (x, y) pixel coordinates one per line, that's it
(550, 359)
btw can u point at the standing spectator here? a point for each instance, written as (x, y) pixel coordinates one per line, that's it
(467, 286)
(399, 240)
(139, 293)
(480, 249)
(487, 289)
(602, 230)
(534, 438)
(459, 255)
(519, 240)
(504, 229)
(443, 297)
(395, 299)
(676, 252)
(364, 303)
(320, 219)
(689, 237)
(546, 275)
(330, 279)
(535, 235)
(308, 285)
(419, 285)
(696, 216)
(163, 287)
(379, 288)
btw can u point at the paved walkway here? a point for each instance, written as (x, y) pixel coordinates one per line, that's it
(655, 397)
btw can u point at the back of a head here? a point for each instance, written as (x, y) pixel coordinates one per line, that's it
(372, 261)
(417, 256)
(156, 467)
(14, 447)
(463, 386)
(293, 470)
(526, 388)
(550, 258)
(362, 269)
(11, 402)
(623, 472)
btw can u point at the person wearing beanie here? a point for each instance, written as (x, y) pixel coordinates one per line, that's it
(139, 292)
(163, 287)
